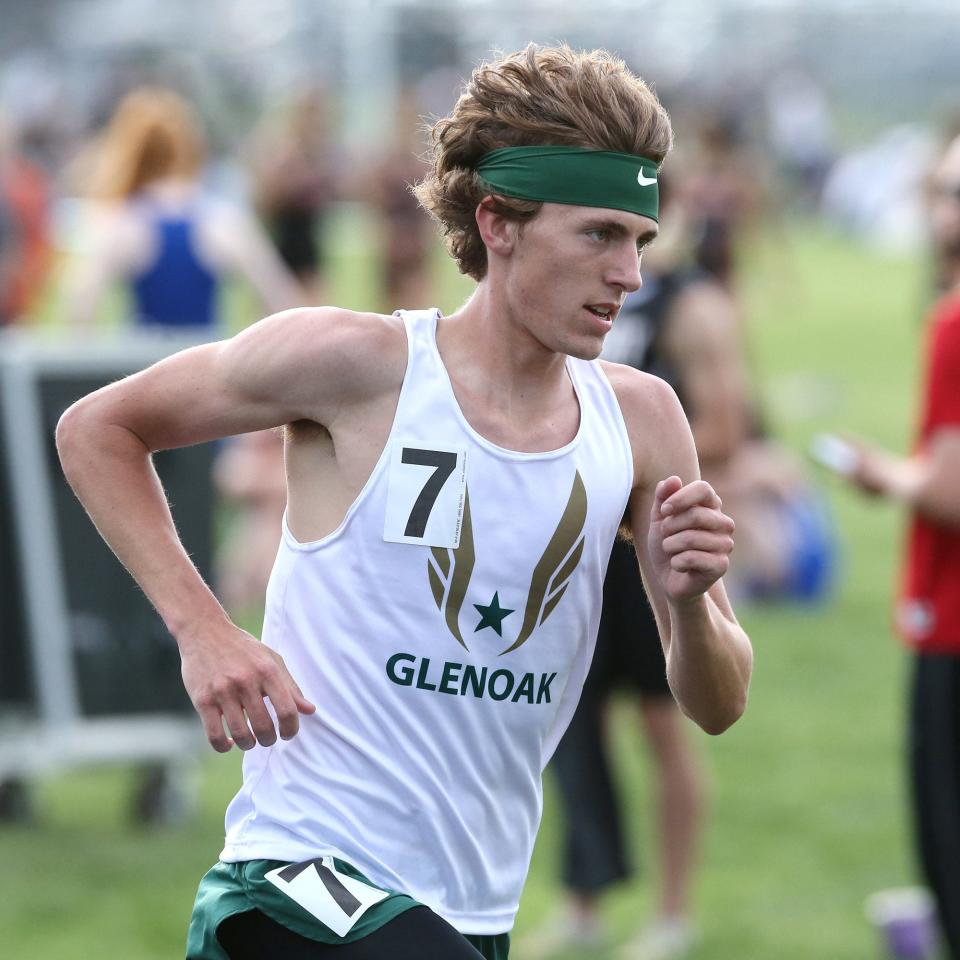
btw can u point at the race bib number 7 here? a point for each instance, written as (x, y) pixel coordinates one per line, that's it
(425, 497)
(336, 900)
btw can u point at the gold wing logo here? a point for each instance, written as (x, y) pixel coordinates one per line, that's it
(552, 574)
(450, 571)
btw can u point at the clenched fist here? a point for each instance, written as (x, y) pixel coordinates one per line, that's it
(690, 538)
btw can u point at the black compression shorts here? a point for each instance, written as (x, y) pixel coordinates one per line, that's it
(416, 934)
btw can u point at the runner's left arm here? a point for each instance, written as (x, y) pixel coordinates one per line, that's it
(684, 541)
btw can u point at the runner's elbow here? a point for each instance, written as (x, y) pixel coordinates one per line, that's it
(70, 432)
(720, 720)
(81, 429)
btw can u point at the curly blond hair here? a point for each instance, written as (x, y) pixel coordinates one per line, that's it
(539, 96)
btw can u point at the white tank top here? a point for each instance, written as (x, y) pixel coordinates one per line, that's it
(444, 676)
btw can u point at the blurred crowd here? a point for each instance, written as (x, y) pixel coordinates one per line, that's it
(140, 207)
(142, 197)
(142, 158)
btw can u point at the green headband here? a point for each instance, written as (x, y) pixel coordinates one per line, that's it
(588, 178)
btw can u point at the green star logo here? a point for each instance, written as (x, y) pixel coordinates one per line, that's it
(492, 615)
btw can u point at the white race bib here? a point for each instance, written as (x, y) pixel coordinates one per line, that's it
(336, 900)
(425, 494)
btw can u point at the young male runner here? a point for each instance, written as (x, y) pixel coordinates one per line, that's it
(455, 485)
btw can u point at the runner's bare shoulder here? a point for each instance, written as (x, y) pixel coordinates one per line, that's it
(328, 354)
(642, 396)
(653, 416)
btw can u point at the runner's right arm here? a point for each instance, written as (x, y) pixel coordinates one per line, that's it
(298, 365)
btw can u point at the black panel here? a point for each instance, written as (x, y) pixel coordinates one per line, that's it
(16, 686)
(125, 660)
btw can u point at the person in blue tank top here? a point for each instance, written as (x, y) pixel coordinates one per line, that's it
(154, 228)
(455, 484)
(177, 289)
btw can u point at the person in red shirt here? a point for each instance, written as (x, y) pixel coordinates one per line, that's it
(928, 609)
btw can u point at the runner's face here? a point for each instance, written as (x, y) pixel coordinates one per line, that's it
(571, 270)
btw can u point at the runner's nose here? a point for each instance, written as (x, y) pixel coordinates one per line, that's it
(625, 271)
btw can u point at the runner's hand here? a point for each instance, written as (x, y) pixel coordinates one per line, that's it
(690, 537)
(227, 678)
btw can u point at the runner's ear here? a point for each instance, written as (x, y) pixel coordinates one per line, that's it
(499, 234)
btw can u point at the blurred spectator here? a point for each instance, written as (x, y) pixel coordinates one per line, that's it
(681, 325)
(876, 191)
(294, 185)
(249, 474)
(928, 612)
(9, 248)
(724, 191)
(786, 549)
(153, 226)
(686, 328)
(25, 251)
(172, 243)
(406, 232)
(801, 133)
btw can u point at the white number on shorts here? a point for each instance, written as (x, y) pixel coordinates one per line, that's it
(336, 900)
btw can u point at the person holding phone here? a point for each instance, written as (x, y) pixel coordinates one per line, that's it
(928, 608)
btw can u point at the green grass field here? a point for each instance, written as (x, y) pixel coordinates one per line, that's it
(808, 808)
